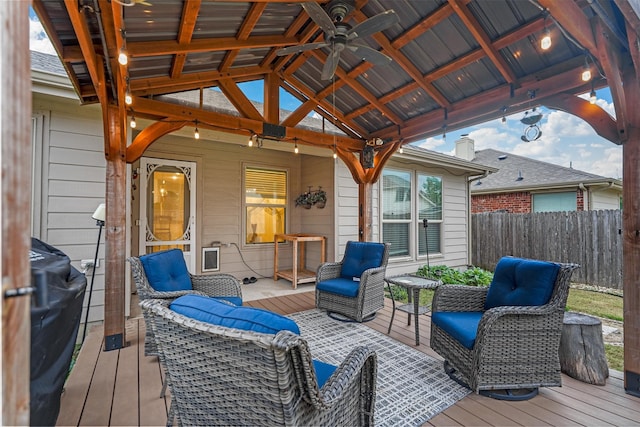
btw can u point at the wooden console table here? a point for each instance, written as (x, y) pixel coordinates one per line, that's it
(298, 273)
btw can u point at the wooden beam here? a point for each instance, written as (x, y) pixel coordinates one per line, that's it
(365, 211)
(631, 235)
(437, 16)
(171, 47)
(248, 24)
(190, 10)
(115, 234)
(239, 99)
(573, 20)
(83, 35)
(272, 98)
(236, 124)
(609, 56)
(15, 134)
(481, 37)
(595, 116)
(148, 136)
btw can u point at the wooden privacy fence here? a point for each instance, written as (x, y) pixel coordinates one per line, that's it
(589, 238)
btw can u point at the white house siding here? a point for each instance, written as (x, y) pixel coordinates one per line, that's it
(70, 184)
(219, 213)
(604, 199)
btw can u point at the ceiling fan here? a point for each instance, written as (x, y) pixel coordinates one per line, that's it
(339, 35)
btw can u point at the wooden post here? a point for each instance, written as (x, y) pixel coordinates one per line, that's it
(365, 211)
(115, 235)
(631, 237)
(15, 125)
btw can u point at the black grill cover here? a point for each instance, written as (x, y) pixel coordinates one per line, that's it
(54, 329)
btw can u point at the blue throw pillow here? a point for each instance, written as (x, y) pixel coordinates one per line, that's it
(361, 256)
(518, 281)
(209, 310)
(166, 271)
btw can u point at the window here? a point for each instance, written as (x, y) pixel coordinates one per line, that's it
(399, 219)
(429, 208)
(555, 202)
(265, 204)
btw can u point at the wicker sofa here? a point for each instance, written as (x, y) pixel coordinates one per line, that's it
(221, 375)
(492, 343)
(354, 287)
(167, 264)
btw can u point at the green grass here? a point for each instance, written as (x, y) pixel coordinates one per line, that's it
(615, 356)
(595, 303)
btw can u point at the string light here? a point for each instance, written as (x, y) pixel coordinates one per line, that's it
(401, 150)
(123, 58)
(128, 99)
(545, 42)
(592, 96)
(586, 70)
(133, 123)
(295, 147)
(250, 141)
(196, 133)
(335, 153)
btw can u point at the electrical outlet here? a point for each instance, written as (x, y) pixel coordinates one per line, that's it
(88, 263)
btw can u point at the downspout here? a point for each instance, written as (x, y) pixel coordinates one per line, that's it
(469, 181)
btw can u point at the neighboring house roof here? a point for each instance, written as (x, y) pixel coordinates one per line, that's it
(518, 173)
(47, 63)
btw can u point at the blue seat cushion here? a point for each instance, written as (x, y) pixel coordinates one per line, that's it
(361, 256)
(233, 300)
(341, 286)
(461, 325)
(323, 371)
(518, 281)
(166, 271)
(209, 310)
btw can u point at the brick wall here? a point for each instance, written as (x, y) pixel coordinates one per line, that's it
(509, 202)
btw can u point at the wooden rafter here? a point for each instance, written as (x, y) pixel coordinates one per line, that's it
(248, 24)
(272, 98)
(437, 16)
(190, 10)
(483, 39)
(239, 99)
(149, 135)
(573, 20)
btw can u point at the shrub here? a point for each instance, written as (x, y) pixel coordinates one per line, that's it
(474, 276)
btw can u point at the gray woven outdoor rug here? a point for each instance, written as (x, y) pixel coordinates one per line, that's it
(412, 387)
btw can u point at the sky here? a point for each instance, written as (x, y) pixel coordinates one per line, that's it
(566, 139)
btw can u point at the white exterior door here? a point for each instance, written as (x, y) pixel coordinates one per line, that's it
(168, 207)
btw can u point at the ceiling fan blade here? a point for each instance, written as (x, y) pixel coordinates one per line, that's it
(320, 17)
(290, 50)
(380, 22)
(329, 68)
(369, 54)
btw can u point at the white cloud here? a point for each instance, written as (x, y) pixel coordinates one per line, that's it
(431, 143)
(38, 39)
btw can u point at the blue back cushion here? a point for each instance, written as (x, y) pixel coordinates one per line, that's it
(166, 271)
(209, 310)
(518, 281)
(461, 325)
(323, 371)
(360, 256)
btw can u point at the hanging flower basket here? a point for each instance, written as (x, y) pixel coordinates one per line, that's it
(311, 198)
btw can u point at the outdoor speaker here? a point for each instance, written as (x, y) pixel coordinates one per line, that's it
(274, 131)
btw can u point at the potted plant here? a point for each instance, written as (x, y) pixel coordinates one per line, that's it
(304, 200)
(319, 198)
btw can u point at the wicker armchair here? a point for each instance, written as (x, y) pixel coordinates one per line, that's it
(337, 289)
(516, 347)
(227, 376)
(214, 285)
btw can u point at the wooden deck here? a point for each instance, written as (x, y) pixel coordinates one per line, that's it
(122, 387)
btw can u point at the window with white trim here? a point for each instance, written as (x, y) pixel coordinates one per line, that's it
(403, 214)
(265, 204)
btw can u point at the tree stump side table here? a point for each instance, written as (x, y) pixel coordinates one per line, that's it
(581, 351)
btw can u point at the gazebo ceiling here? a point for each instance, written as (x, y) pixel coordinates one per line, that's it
(454, 63)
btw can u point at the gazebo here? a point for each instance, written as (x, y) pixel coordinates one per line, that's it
(394, 72)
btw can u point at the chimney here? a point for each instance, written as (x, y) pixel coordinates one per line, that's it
(465, 148)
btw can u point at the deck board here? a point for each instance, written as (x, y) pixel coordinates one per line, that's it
(136, 380)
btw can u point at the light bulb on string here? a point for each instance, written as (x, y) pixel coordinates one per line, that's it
(401, 150)
(123, 58)
(128, 99)
(196, 133)
(545, 42)
(250, 142)
(586, 71)
(295, 148)
(133, 123)
(592, 97)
